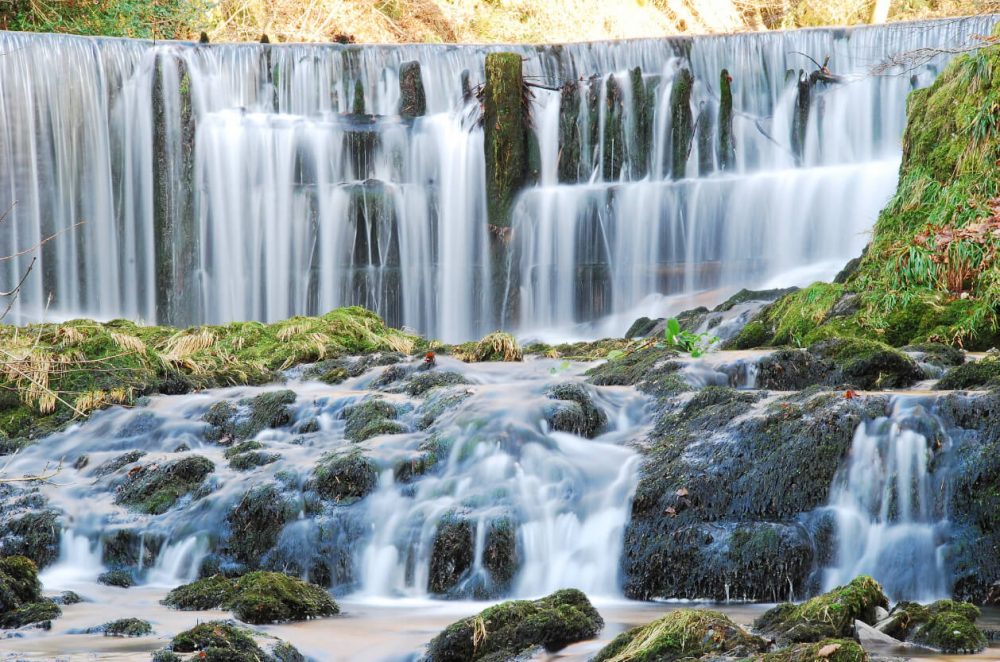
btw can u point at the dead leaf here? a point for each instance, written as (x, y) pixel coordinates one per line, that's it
(682, 492)
(828, 650)
(670, 511)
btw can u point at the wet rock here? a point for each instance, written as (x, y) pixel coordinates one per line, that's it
(412, 101)
(505, 630)
(422, 382)
(345, 477)
(868, 364)
(119, 578)
(981, 374)
(130, 548)
(652, 370)
(21, 601)
(67, 598)
(258, 597)
(683, 634)
(255, 523)
(451, 554)
(830, 615)
(127, 627)
(936, 354)
(371, 418)
(437, 403)
(576, 412)
(946, 625)
(828, 650)
(34, 535)
(114, 464)
(220, 642)
(248, 455)
(793, 370)
(689, 539)
(154, 488)
(266, 411)
(336, 371)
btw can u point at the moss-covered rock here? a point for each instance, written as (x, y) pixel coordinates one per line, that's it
(270, 410)
(256, 522)
(984, 373)
(117, 463)
(424, 381)
(202, 594)
(155, 488)
(505, 630)
(451, 553)
(273, 597)
(576, 411)
(258, 597)
(130, 548)
(120, 578)
(219, 641)
(497, 346)
(652, 370)
(826, 616)
(34, 535)
(869, 364)
(345, 477)
(370, 418)
(127, 627)
(951, 632)
(683, 634)
(828, 650)
(21, 601)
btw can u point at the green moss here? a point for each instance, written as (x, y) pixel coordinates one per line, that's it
(34, 612)
(423, 382)
(208, 593)
(154, 489)
(682, 634)
(830, 615)
(984, 373)
(951, 632)
(101, 364)
(834, 650)
(219, 640)
(163, 19)
(345, 477)
(34, 535)
(575, 412)
(19, 583)
(127, 627)
(681, 122)
(120, 578)
(509, 628)
(369, 419)
(256, 522)
(273, 597)
(754, 334)
(869, 364)
(505, 134)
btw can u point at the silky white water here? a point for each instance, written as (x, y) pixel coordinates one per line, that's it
(197, 183)
(890, 506)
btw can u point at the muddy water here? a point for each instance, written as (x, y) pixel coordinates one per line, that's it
(365, 631)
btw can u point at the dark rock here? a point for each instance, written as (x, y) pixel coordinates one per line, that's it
(127, 627)
(451, 554)
(413, 102)
(255, 523)
(793, 370)
(220, 642)
(266, 411)
(114, 464)
(371, 418)
(154, 488)
(981, 374)
(345, 477)
(67, 598)
(576, 412)
(34, 535)
(130, 548)
(505, 630)
(868, 364)
(422, 382)
(119, 578)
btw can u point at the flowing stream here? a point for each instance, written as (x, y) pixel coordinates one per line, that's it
(234, 182)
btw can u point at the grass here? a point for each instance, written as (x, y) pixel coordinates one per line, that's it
(67, 370)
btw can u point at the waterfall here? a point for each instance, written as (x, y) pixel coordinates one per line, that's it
(889, 505)
(209, 183)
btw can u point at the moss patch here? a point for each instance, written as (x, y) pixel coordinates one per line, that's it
(509, 628)
(828, 650)
(153, 488)
(345, 477)
(682, 634)
(830, 615)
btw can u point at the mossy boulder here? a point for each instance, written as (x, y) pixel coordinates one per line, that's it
(252, 416)
(451, 553)
(155, 488)
(575, 412)
(828, 650)
(220, 642)
(255, 523)
(497, 346)
(424, 381)
(984, 373)
(652, 370)
(452, 558)
(116, 463)
(370, 418)
(21, 601)
(830, 615)
(130, 548)
(868, 364)
(947, 625)
(34, 535)
(249, 455)
(258, 597)
(504, 631)
(120, 578)
(683, 634)
(127, 627)
(345, 477)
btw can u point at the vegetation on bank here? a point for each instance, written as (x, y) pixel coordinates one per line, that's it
(437, 21)
(932, 270)
(52, 373)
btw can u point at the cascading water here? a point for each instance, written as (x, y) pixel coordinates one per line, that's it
(889, 503)
(233, 182)
(477, 495)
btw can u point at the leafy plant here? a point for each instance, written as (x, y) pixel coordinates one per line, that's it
(695, 344)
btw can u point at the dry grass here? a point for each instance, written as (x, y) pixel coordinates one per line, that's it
(497, 346)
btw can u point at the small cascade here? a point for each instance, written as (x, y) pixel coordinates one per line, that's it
(889, 505)
(475, 492)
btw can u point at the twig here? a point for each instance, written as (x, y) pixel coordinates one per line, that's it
(42, 242)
